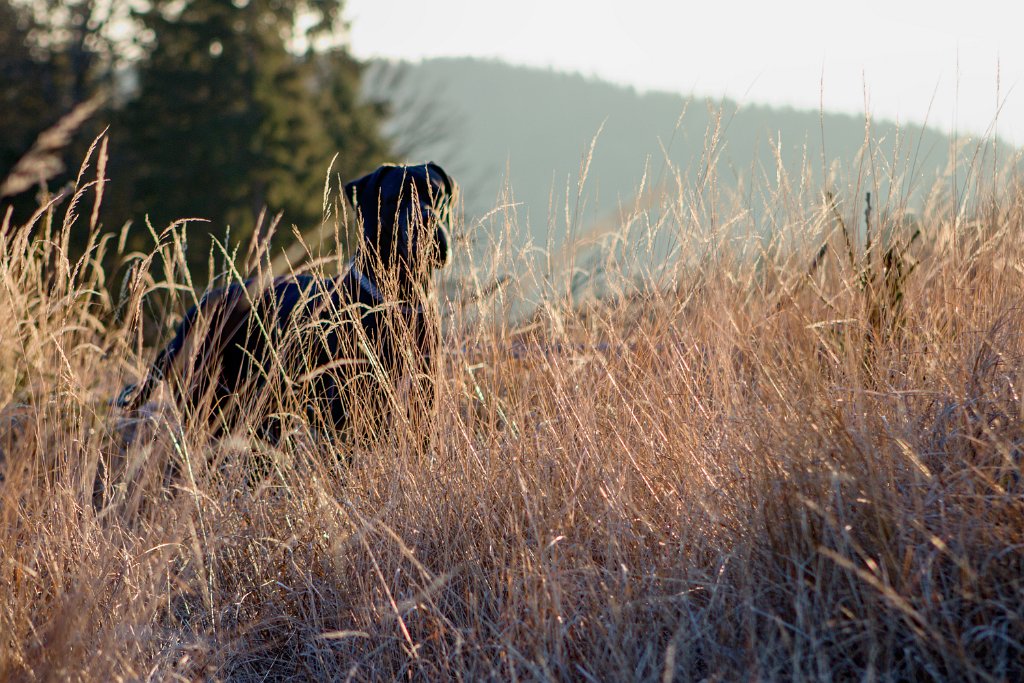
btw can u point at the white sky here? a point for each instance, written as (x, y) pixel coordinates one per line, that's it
(771, 51)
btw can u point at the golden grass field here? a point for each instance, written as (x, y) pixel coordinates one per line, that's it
(762, 469)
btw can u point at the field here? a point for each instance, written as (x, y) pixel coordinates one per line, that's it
(780, 463)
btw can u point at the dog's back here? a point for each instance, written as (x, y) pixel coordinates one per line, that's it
(323, 342)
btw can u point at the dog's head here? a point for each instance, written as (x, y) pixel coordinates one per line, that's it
(405, 212)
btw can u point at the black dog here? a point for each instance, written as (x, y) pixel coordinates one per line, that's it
(333, 347)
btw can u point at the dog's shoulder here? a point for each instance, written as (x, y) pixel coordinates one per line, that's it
(305, 296)
(354, 287)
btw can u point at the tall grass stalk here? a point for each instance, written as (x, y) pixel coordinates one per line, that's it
(699, 480)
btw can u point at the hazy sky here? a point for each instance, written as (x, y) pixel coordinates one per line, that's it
(910, 54)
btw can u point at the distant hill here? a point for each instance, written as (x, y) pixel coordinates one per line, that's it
(479, 117)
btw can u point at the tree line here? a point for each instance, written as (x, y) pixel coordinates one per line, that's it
(214, 109)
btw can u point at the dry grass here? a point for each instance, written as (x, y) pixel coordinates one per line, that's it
(748, 473)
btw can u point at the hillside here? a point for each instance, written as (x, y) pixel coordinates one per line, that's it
(538, 124)
(497, 126)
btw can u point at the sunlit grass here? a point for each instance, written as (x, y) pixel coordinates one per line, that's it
(754, 463)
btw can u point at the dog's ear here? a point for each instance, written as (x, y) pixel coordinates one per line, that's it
(450, 189)
(366, 196)
(441, 240)
(360, 191)
(448, 186)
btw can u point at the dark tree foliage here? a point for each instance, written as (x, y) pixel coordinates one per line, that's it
(55, 55)
(218, 109)
(27, 90)
(227, 121)
(23, 101)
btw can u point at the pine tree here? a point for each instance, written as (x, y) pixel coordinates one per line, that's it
(56, 56)
(228, 121)
(24, 89)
